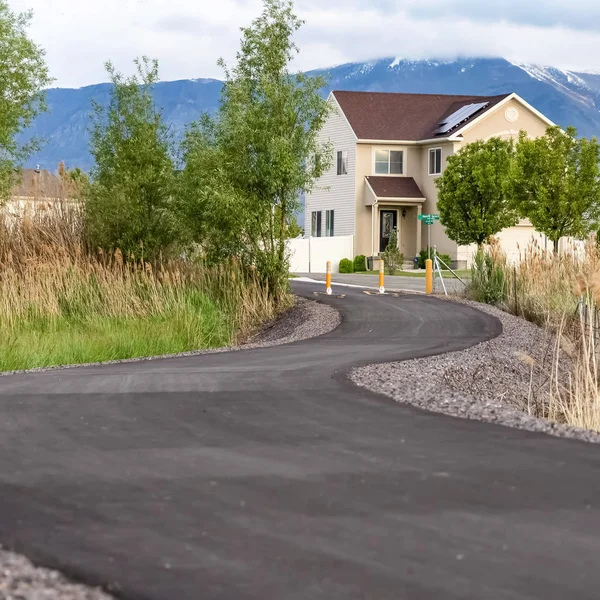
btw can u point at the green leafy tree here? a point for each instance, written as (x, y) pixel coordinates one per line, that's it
(23, 78)
(472, 199)
(555, 183)
(245, 172)
(130, 199)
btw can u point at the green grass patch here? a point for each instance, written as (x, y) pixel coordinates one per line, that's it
(198, 323)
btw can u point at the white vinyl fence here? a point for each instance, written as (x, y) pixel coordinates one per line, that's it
(310, 254)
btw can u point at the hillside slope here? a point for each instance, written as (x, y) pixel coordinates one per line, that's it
(566, 97)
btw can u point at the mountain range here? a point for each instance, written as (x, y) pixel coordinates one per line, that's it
(566, 97)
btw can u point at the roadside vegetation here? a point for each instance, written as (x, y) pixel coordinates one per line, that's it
(554, 182)
(165, 247)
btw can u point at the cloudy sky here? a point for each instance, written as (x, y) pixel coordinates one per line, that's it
(188, 36)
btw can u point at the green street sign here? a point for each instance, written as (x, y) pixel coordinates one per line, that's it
(429, 219)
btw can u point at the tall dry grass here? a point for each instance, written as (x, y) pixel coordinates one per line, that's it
(562, 294)
(59, 303)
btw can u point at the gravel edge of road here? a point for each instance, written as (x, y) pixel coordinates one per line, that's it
(487, 382)
(22, 580)
(305, 319)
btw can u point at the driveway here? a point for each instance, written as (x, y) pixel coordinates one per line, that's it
(265, 474)
(392, 282)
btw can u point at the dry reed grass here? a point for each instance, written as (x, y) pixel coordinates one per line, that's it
(562, 294)
(54, 294)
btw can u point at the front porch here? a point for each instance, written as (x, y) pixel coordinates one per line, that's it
(395, 203)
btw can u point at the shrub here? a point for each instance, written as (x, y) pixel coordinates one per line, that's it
(360, 263)
(346, 266)
(392, 256)
(488, 282)
(423, 257)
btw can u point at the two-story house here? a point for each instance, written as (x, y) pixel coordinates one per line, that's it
(388, 150)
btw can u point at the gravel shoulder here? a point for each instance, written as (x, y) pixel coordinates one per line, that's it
(488, 382)
(21, 580)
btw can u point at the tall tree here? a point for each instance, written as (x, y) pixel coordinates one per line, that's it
(129, 204)
(555, 183)
(23, 78)
(472, 197)
(265, 145)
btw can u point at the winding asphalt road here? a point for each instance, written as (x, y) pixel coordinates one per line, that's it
(264, 474)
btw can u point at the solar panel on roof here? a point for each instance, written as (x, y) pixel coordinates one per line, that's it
(459, 116)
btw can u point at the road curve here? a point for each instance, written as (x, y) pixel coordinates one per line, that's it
(265, 474)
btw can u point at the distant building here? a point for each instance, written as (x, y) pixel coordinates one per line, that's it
(39, 190)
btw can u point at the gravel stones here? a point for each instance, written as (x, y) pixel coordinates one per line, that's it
(488, 382)
(20, 580)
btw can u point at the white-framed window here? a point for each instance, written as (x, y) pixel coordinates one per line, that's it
(389, 162)
(435, 161)
(342, 162)
(328, 223)
(315, 229)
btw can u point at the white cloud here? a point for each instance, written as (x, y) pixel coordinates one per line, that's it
(188, 36)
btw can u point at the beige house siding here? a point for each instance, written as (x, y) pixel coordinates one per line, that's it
(496, 123)
(427, 184)
(367, 217)
(336, 192)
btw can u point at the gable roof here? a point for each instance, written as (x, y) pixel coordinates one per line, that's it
(394, 187)
(37, 184)
(405, 117)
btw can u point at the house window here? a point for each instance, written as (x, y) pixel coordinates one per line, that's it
(328, 223)
(389, 162)
(435, 161)
(315, 230)
(342, 162)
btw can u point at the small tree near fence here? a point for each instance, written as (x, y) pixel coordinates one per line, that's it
(129, 204)
(472, 200)
(555, 183)
(392, 257)
(263, 151)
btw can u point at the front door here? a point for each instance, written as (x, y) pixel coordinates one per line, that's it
(388, 221)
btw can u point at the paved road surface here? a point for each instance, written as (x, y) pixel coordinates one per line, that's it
(392, 282)
(264, 474)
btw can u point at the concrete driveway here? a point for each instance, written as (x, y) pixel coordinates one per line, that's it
(392, 282)
(265, 474)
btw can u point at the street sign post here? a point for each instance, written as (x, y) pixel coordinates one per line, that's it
(429, 220)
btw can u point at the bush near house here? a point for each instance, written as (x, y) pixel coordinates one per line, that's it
(346, 266)
(392, 256)
(360, 263)
(423, 257)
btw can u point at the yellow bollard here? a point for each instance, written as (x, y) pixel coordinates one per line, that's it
(429, 276)
(381, 277)
(328, 279)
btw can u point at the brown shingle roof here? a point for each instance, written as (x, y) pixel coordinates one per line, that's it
(395, 187)
(38, 185)
(403, 117)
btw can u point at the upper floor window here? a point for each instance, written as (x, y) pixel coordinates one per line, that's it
(389, 162)
(342, 162)
(328, 223)
(435, 161)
